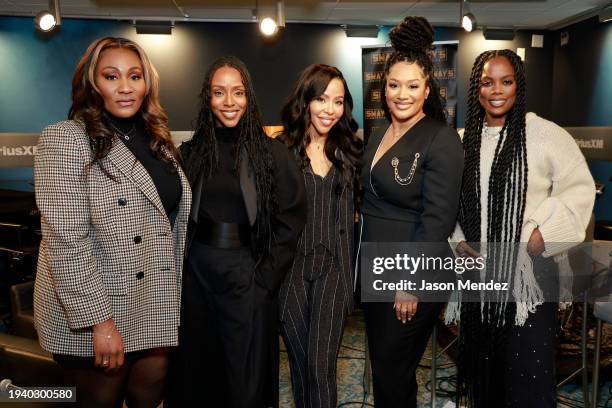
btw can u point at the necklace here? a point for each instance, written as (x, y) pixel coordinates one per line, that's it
(125, 135)
(317, 143)
(491, 131)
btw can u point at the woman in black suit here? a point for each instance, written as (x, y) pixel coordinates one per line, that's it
(317, 293)
(411, 178)
(248, 210)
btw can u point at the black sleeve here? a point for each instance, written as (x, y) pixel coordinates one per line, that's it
(290, 219)
(441, 187)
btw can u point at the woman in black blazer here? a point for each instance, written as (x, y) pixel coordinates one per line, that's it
(411, 178)
(248, 210)
(317, 293)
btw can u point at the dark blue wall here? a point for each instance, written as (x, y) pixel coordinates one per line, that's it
(36, 68)
(582, 91)
(583, 75)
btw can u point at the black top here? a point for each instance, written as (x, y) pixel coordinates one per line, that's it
(319, 239)
(221, 194)
(133, 133)
(287, 221)
(326, 244)
(417, 180)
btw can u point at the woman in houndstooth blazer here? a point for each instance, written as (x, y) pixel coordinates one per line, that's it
(114, 204)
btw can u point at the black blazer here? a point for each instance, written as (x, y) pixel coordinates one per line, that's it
(288, 221)
(418, 180)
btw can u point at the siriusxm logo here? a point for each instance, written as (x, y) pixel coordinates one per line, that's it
(18, 150)
(590, 143)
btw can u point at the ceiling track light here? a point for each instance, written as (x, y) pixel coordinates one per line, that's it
(506, 34)
(270, 26)
(468, 21)
(364, 31)
(47, 20)
(605, 14)
(153, 27)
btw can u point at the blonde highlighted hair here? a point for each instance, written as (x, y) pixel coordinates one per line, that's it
(88, 104)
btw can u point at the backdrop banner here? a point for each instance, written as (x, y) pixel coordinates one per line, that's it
(373, 60)
(17, 149)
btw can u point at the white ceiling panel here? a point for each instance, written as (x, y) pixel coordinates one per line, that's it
(535, 14)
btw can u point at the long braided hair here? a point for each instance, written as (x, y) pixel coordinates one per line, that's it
(508, 181)
(201, 153)
(412, 40)
(485, 327)
(295, 115)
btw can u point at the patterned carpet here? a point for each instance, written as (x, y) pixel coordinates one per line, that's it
(350, 376)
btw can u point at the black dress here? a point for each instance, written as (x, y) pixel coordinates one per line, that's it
(418, 202)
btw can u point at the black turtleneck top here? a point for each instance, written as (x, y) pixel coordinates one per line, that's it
(133, 133)
(221, 194)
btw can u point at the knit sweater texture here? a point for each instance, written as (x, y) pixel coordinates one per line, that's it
(560, 188)
(559, 202)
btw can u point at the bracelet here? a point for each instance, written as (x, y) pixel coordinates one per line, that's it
(107, 336)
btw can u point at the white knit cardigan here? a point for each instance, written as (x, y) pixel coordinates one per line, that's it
(559, 201)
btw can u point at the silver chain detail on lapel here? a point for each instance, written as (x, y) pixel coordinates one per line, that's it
(407, 180)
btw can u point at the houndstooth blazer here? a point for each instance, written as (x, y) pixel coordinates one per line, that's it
(108, 249)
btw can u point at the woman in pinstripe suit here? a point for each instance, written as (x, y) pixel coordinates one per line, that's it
(317, 294)
(114, 204)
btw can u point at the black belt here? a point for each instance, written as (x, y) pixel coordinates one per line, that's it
(223, 234)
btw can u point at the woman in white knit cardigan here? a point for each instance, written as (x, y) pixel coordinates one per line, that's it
(525, 181)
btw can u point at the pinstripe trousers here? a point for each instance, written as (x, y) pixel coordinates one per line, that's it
(315, 311)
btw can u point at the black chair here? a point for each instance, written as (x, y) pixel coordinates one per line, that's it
(22, 311)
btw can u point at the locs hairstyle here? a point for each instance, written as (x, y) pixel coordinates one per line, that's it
(412, 41)
(201, 153)
(88, 104)
(508, 180)
(295, 117)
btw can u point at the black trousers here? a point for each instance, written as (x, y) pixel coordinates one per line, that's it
(395, 351)
(226, 335)
(312, 330)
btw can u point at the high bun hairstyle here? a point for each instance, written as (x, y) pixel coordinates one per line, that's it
(412, 40)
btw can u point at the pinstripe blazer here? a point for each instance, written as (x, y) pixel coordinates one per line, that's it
(108, 248)
(343, 229)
